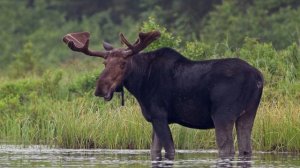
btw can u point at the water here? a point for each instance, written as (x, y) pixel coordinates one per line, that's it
(42, 156)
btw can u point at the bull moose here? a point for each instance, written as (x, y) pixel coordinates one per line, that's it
(170, 88)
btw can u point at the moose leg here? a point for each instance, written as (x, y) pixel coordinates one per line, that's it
(244, 126)
(223, 129)
(163, 132)
(156, 147)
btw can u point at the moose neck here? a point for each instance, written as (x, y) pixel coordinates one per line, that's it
(138, 70)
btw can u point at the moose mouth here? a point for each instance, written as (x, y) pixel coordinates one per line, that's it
(108, 96)
(110, 93)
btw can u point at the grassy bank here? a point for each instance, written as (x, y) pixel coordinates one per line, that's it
(86, 122)
(59, 109)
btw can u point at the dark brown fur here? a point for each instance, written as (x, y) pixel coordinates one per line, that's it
(170, 88)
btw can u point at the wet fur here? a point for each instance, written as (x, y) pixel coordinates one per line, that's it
(197, 94)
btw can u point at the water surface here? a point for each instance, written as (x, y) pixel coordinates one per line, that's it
(43, 156)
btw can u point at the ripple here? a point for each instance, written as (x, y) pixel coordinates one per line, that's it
(44, 156)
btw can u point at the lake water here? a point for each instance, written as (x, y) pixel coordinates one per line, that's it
(42, 156)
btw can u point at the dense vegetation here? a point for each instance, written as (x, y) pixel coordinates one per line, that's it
(46, 91)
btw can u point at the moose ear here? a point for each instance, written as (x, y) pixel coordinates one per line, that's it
(107, 46)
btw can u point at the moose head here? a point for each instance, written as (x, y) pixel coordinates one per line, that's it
(116, 60)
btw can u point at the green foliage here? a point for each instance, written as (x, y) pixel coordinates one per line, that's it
(197, 50)
(167, 39)
(25, 62)
(20, 96)
(263, 20)
(280, 68)
(43, 23)
(84, 83)
(41, 30)
(281, 65)
(21, 25)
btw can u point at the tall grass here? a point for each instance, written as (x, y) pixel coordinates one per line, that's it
(277, 127)
(64, 115)
(82, 123)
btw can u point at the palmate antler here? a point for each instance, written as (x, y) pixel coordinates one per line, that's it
(80, 42)
(142, 42)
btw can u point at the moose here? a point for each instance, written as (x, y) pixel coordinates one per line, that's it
(171, 88)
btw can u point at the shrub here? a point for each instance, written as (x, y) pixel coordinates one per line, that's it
(17, 95)
(25, 61)
(167, 39)
(275, 22)
(84, 83)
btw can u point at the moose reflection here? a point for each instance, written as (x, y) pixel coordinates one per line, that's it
(170, 89)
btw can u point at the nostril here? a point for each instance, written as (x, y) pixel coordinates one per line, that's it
(98, 94)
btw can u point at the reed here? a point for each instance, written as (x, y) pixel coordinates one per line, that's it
(83, 123)
(277, 127)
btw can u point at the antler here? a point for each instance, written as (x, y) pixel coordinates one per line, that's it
(80, 42)
(142, 42)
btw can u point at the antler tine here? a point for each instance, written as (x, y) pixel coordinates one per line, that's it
(142, 42)
(125, 41)
(80, 42)
(146, 39)
(136, 42)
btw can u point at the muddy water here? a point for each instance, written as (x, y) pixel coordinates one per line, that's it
(42, 156)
